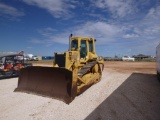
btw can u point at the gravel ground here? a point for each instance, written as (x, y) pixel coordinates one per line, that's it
(121, 94)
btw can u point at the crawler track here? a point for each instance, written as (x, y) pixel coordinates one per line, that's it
(86, 68)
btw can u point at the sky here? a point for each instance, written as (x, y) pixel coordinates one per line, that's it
(42, 27)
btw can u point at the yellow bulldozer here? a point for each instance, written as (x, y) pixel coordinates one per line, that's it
(72, 73)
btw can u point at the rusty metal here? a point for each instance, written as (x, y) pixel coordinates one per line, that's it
(48, 81)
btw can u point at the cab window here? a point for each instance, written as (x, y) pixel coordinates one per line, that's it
(83, 50)
(90, 46)
(74, 44)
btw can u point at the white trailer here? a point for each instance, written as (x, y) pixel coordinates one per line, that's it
(158, 61)
(128, 58)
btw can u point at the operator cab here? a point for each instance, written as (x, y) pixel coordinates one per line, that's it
(84, 45)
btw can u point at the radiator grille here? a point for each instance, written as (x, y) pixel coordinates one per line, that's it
(60, 59)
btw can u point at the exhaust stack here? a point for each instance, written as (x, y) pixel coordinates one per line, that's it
(70, 42)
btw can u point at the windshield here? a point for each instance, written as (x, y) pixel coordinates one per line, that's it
(74, 44)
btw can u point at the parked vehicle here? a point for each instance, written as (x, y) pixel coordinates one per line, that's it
(35, 58)
(158, 61)
(32, 57)
(26, 58)
(10, 65)
(128, 58)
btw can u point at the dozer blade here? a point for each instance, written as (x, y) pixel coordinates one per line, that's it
(48, 81)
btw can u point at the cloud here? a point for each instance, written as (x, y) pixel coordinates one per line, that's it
(149, 26)
(29, 47)
(57, 8)
(153, 13)
(141, 36)
(102, 31)
(151, 21)
(47, 31)
(46, 42)
(10, 11)
(37, 41)
(130, 36)
(118, 8)
(145, 34)
(100, 17)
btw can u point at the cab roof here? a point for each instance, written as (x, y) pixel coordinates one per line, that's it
(82, 37)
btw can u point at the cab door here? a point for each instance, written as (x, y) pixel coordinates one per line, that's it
(83, 49)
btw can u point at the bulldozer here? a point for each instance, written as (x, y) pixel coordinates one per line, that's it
(72, 73)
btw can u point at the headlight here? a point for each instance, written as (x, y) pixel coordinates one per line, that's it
(99, 58)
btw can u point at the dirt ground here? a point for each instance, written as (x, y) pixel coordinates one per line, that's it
(127, 91)
(139, 67)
